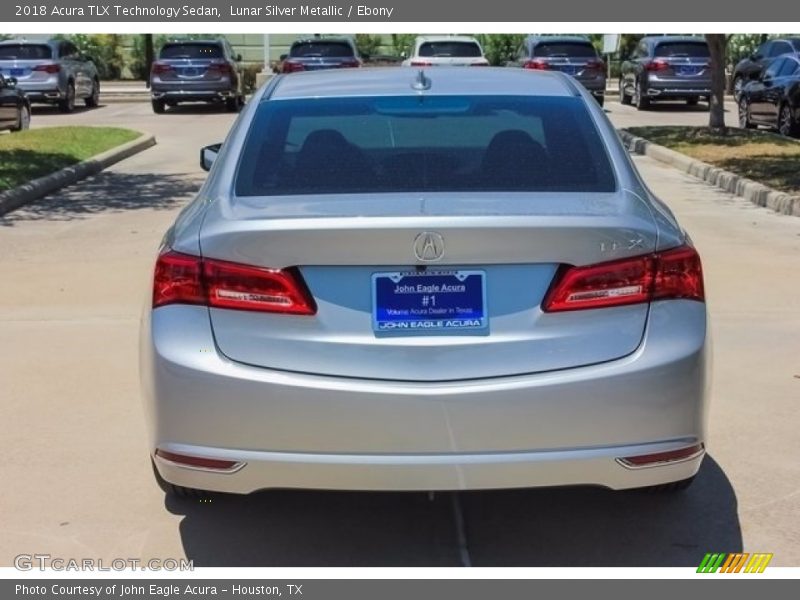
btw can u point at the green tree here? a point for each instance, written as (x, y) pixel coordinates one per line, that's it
(401, 43)
(105, 50)
(500, 48)
(368, 45)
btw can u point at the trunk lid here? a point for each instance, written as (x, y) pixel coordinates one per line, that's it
(339, 243)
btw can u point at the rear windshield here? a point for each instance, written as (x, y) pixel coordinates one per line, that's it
(25, 52)
(322, 49)
(191, 51)
(680, 49)
(567, 49)
(418, 144)
(460, 49)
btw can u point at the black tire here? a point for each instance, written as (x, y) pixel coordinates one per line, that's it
(787, 125)
(67, 104)
(600, 100)
(176, 490)
(233, 104)
(736, 87)
(93, 99)
(159, 106)
(692, 101)
(23, 119)
(639, 100)
(623, 97)
(744, 114)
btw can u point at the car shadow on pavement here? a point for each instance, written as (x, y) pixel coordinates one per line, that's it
(197, 108)
(108, 191)
(539, 527)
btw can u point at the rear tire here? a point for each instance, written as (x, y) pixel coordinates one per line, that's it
(170, 489)
(639, 100)
(692, 101)
(744, 114)
(67, 105)
(23, 119)
(786, 122)
(623, 97)
(93, 99)
(159, 106)
(233, 104)
(600, 100)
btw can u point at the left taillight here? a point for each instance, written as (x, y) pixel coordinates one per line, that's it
(185, 279)
(673, 274)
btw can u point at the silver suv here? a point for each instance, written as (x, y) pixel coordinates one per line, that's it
(53, 72)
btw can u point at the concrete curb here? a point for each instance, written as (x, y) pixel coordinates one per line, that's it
(33, 190)
(755, 192)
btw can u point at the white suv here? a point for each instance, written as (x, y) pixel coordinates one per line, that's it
(446, 50)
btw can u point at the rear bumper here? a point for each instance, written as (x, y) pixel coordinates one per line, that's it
(677, 88)
(294, 430)
(192, 95)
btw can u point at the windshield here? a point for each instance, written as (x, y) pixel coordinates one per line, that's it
(460, 49)
(682, 49)
(436, 143)
(191, 51)
(579, 49)
(325, 49)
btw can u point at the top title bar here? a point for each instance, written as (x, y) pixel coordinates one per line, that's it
(493, 11)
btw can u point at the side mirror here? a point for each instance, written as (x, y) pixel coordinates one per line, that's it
(208, 154)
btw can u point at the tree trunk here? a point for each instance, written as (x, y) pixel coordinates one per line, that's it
(716, 45)
(149, 55)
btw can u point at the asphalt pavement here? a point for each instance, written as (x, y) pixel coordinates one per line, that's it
(76, 477)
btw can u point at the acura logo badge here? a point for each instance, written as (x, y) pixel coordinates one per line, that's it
(429, 246)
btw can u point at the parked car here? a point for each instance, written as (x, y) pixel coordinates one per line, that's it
(773, 99)
(751, 67)
(666, 68)
(197, 71)
(314, 54)
(573, 55)
(402, 279)
(15, 108)
(52, 72)
(446, 50)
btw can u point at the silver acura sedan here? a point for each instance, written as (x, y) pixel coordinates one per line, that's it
(451, 279)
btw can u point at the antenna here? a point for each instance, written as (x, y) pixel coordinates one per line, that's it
(421, 82)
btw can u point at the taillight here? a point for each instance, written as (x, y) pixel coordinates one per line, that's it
(200, 462)
(675, 273)
(184, 279)
(220, 67)
(290, 66)
(596, 64)
(160, 67)
(421, 63)
(537, 64)
(658, 458)
(656, 65)
(51, 68)
(346, 64)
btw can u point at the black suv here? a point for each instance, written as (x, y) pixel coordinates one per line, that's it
(751, 67)
(667, 67)
(197, 71)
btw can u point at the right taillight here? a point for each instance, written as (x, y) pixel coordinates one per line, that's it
(675, 273)
(185, 279)
(50, 68)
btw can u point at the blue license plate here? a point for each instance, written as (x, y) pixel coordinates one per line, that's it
(569, 70)
(429, 301)
(17, 72)
(190, 72)
(687, 70)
